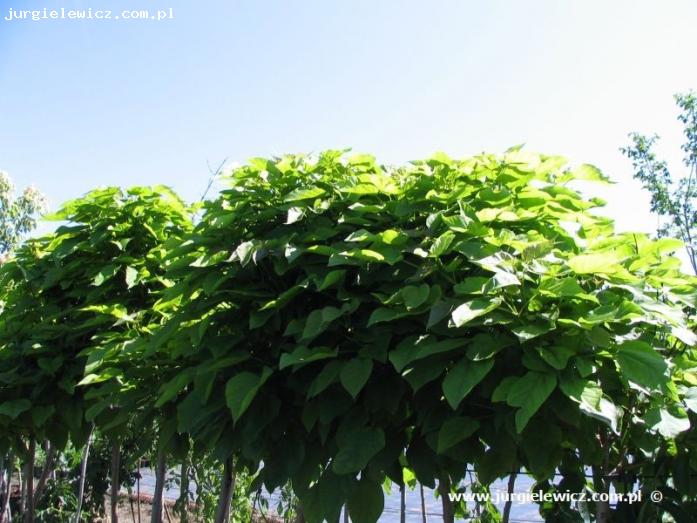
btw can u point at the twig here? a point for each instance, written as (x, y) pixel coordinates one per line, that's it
(213, 176)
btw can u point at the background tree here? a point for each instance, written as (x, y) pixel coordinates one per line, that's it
(672, 197)
(17, 213)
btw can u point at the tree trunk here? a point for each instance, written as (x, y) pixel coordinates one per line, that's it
(222, 514)
(45, 473)
(423, 504)
(184, 491)
(444, 489)
(157, 499)
(29, 507)
(133, 512)
(23, 485)
(402, 503)
(2, 474)
(83, 475)
(115, 480)
(138, 488)
(346, 514)
(509, 501)
(602, 508)
(7, 490)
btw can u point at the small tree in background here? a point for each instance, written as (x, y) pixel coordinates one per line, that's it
(17, 214)
(672, 197)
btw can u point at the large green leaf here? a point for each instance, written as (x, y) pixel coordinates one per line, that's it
(597, 263)
(14, 408)
(565, 287)
(669, 423)
(131, 276)
(318, 321)
(463, 377)
(556, 355)
(304, 194)
(414, 348)
(170, 389)
(529, 331)
(241, 390)
(357, 450)
(384, 314)
(415, 296)
(529, 393)
(591, 400)
(328, 375)
(303, 355)
(455, 430)
(366, 502)
(331, 278)
(641, 364)
(355, 374)
(484, 346)
(441, 244)
(468, 311)
(588, 172)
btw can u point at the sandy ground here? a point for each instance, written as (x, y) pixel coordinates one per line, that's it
(128, 513)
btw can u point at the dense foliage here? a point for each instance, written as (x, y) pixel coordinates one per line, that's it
(72, 297)
(335, 324)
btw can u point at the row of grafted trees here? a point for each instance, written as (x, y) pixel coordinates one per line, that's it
(332, 324)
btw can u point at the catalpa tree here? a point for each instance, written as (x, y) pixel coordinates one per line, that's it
(73, 299)
(334, 324)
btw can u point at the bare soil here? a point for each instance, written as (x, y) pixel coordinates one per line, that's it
(128, 512)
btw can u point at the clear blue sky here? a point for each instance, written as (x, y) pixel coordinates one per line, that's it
(97, 103)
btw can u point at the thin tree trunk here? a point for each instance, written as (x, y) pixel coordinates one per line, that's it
(602, 508)
(346, 514)
(444, 489)
(138, 488)
(157, 500)
(45, 473)
(29, 507)
(222, 514)
(23, 486)
(115, 480)
(130, 502)
(402, 503)
(7, 491)
(509, 501)
(83, 475)
(184, 492)
(2, 473)
(423, 504)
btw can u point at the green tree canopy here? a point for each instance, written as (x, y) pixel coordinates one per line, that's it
(74, 298)
(339, 321)
(337, 324)
(673, 196)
